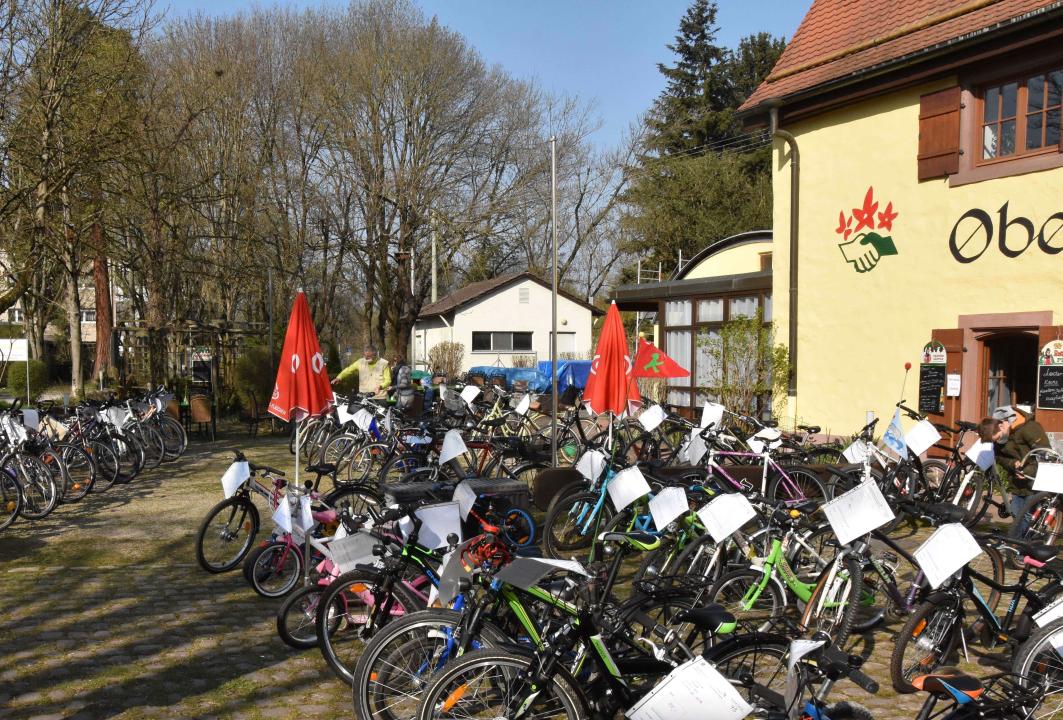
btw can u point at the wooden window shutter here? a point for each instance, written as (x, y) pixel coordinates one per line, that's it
(939, 133)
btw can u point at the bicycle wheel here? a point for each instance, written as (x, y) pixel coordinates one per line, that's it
(760, 656)
(40, 494)
(573, 523)
(925, 642)
(274, 568)
(297, 617)
(130, 456)
(1038, 662)
(60, 475)
(366, 607)
(699, 557)
(150, 441)
(354, 499)
(10, 499)
(832, 606)
(365, 462)
(401, 465)
(106, 464)
(801, 484)
(1046, 519)
(963, 488)
(226, 534)
(80, 470)
(496, 683)
(401, 660)
(742, 594)
(174, 438)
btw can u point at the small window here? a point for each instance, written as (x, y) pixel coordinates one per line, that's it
(501, 341)
(88, 316)
(1021, 117)
(481, 341)
(710, 310)
(765, 261)
(15, 315)
(744, 306)
(524, 295)
(522, 341)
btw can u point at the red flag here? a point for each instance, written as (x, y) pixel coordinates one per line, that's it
(652, 363)
(610, 385)
(302, 380)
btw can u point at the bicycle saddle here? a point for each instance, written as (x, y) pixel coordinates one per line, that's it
(964, 425)
(321, 469)
(810, 429)
(806, 507)
(712, 617)
(1041, 553)
(964, 688)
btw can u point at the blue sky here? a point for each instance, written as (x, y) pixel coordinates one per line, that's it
(601, 50)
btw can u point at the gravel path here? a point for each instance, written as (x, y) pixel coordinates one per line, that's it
(106, 615)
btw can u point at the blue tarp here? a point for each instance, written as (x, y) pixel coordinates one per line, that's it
(569, 372)
(537, 382)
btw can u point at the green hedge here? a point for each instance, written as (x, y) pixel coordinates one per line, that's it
(16, 378)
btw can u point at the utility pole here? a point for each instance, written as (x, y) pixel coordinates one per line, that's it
(413, 322)
(553, 303)
(432, 219)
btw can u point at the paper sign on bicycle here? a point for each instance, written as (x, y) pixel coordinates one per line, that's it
(712, 414)
(766, 437)
(726, 514)
(1049, 477)
(667, 505)
(31, 419)
(469, 393)
(695, 448)
(981, 454)
(591, 464)
(524, 572)
(524, 405)
(234, 477)
(437, 521)
(1050, 613)
(626, 487)
(857, 452)
(342, 415)
(693, 691)
(283, 515)
(465, 497)
(652, 417)
(857, 512)
(453, 446)
(948, 549)
(356, 549)
(921, 437)
(363, 419)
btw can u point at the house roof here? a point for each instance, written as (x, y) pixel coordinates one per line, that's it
(752, 236)
(845, 39)
(476, 290)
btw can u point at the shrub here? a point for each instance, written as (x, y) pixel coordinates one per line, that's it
(446, 358)
(523, 361)
(16, 378)
(254, 373)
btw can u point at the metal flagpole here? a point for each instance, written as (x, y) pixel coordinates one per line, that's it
(553, 302)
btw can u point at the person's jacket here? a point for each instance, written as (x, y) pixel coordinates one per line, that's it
(1020, 442)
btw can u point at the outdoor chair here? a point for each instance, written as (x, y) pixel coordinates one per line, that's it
(254, 416)
(201, 415)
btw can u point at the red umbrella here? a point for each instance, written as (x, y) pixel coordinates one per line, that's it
(302, 380)
(610, 385)
(652, 363)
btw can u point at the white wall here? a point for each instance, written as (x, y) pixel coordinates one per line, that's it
(502, 311)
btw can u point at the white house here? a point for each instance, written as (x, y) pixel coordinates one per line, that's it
(499, 319)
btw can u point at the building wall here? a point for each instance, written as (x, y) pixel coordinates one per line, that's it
(744, 258)
(857, 329)
(502, 311)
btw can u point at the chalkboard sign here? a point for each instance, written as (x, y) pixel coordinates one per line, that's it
(1050, 387)
(931, 383)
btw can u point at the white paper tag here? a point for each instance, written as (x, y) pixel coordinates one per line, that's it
(667, 505)
(31, 418)
(453, 446)
(948, 549)
(437, 521)
(857, 512)
(523, 405)
(363, 419)
(1057, 642)
(626, 487)
(798, 650)
(921, 437)
(352, 550)
(1049, 477)
(857, 452)
(524, 572)
(234, 477)
(712, 414)
(652, 417)
(283, 515)
(695, 448)
(591, 464)
(765, 437)
(1049, 613)
(306, 514)
(725, 514)
(981, 454)
(465, 497)
(342, 415)
(451, 570)
(693, 691)
(469, 393)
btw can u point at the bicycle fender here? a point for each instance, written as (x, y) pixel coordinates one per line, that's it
(778, 583)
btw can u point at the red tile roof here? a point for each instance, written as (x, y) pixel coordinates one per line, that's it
(838, 38)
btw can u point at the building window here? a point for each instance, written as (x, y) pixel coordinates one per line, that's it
(1021, 117)
(501, 341)
(744, 306)
(765, 261)
(566, 344)
(524, 295)
(88, 316)
(15, 315)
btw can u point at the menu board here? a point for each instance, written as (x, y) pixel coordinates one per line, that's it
(1050, 387)
(931, 384)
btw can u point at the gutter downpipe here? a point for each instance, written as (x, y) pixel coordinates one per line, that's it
(773, 106)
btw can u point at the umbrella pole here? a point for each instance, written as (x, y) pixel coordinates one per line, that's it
(299, 510)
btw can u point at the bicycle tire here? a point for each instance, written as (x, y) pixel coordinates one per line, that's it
(837, 590)
(418, 644)
(563, 527)
(80, 471)
(59, 472)
(10, 499)
(174, 437)
(356, 587)
(355, 499)
(1046, 524)
(935, 628)
(273, 569)
(963, 487)
(40, 494)
(106, 464)
(297, 617)
(243, 520)
(760, 656)
(558, 697)
(365, 462)
(806, 481)
(846, 710)
(151, 442)
(734, 591)
(1039, 659)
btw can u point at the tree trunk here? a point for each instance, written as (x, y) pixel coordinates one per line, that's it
(104, 314)
(73, 317)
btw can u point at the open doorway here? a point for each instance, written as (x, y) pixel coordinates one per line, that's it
(1010, 362)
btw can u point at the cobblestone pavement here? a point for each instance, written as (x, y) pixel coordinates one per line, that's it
(106, 615)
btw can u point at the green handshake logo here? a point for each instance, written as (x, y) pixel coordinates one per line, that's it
(865, 249)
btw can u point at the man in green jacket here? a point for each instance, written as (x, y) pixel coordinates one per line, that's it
(374, 373)
(1017, 435)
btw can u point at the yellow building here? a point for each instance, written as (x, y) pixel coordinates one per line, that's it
(918, 174)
